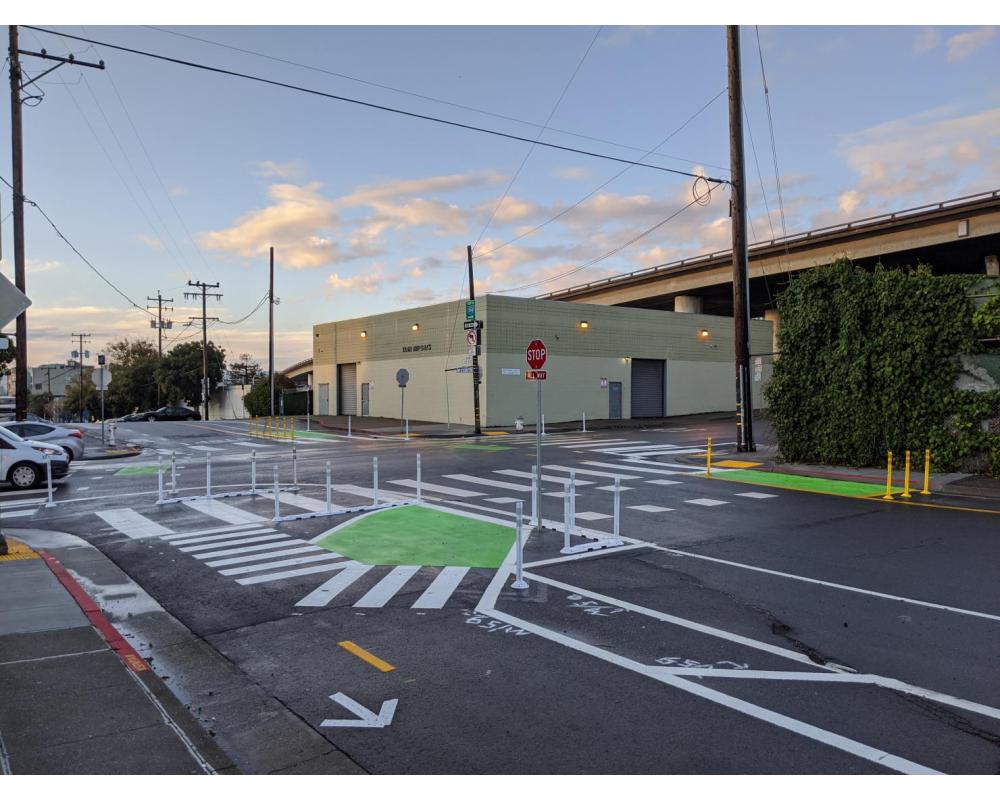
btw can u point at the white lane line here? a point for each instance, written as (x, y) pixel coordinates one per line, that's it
(29, 513)
(579, 556)
(383, 591)
(250, 548)
(301, 501)
(685, 469)
(437, 488)
(514, 487)
(22, 503)
(640, 449)
(367, 493)
(599, 473)
(632, 469)
(517, 473)
(210, 531)
(205, 448)
(650, 509)
(755, 495)
(591, 443)
(217, 537)
(199, 548)
(288, 562)
(298, 550)
(252, 444)
(707, 502)
(437, 594)
(842, 586)
(323, 594)
(226, 513)
(292, 573)
(132, 523)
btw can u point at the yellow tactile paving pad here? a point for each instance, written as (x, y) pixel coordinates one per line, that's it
(17, 551)
(736, 464)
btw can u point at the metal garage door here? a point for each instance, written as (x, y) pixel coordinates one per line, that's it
(647, 387)
(347, 388)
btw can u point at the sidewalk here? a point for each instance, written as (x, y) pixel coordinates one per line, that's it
(76, 698)
(97, 450)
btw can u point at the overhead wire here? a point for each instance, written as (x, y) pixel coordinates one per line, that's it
(774, 149)
(366, 104)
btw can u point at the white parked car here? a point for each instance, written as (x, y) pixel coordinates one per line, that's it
(69, 439)
(22, 461)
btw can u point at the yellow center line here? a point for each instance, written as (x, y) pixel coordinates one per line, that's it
(364, 655)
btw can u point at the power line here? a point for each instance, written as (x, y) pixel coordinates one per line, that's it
(253, 311)
(82, 257)
(770, 125)
(375, 106)
(418, 95)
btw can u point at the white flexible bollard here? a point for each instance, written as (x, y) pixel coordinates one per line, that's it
(566, 513)
(618, 507)
(584, 422)
(48, 474)
(375, 480)
(208, 474)
(572, 502)
(173, 472)
(329, 489)
(253, 471)
(519, 581)
(543, 424)
(159, 479)
(407, 435)
(295, 467)
(534, 497)
(420, 498)
(348, 427)
(277, 493)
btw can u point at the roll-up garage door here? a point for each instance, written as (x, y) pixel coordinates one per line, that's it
(347, 388)
(647, 387)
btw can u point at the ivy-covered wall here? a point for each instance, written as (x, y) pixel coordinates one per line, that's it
(870, 362)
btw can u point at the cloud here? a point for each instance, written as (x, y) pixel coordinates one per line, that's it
(963, 45)
(926, 40)
(849, 201)
(573, 173)
(417, 295)
(177, 191)
(396, 189)
(364, 283)
(150, 241)
(626, 34)
(288, 171)
(39, 267)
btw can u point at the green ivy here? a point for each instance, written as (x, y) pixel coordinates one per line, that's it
(868, 364)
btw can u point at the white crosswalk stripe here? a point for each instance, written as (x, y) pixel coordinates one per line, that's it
(132, 523)
(290, 573)
(326, 592)
(297, 550)
(385, 589)
(514, 487)
(517, 473)
(707, 501)
(592, 444)
(216, 537)
(436, 487)
(650, 509)
(631, 468)
(209, 531)
(288, 562)
(756, 495)
(270, 537)
(441, 588)
(503, 500)
(599, 473)
(250, 548)
(226, 513)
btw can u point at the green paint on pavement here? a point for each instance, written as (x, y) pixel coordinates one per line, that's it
(421, 535)
(314, 435)
(149, 469)
(493, 448)
(803, 483)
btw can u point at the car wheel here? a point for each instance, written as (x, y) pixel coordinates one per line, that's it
(25, 476)
(150, 419)
(69, 455)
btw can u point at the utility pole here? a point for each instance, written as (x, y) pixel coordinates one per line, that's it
(160, 300)
(738, 212)
(204, 332)
(270, 333)
(475, 354)
(82, 354)
(17, 168)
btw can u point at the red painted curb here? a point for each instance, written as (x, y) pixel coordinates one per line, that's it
(130, 658)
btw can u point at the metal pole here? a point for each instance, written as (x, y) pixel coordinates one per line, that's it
(173, 472)
(538, 460)
(48, 474)
(519, 581)
(253, 471)
(329, 489)
(419, 481)
(208, 474)
(102, 405)
(159, 479)
(375, 480)
(475, 355)
(618, 508)
(295, 467)
(17, 176)
(277, 499)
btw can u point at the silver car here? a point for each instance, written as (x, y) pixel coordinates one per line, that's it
(70, 440)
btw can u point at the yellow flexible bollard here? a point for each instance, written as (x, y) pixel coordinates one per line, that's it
(708, 459)
(927, 472)
(888, 479)
(906, 478)
(293, 429)
(268, 427)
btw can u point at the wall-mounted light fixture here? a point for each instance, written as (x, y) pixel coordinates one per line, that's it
(584, 324)
(415, 327)
(364, 334)
(703, 333)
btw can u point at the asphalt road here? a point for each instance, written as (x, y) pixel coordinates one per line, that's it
(741, 629)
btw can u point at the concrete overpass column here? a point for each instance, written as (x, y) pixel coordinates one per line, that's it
(687, 304)
(993, 266)
(774, 317)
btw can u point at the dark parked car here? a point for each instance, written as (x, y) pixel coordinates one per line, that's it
(164, 414)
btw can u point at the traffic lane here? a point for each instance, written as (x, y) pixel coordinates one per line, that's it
(475, 699)
(948, 652)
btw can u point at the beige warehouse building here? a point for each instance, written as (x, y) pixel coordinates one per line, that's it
(607, 362)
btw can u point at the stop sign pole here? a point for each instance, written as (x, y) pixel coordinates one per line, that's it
(535, 356)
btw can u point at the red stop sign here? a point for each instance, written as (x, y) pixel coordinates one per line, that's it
(536, 354)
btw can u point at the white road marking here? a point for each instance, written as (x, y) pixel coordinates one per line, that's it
(217, 537)
(252, 444)
(27, 513)
(366, 492)
(297, 550)
(250, 548)
(323, 594)
(288, 562)
(209, 531)
(132, 523)
(663, 482)
(588, 443)
(755, 495)
(631, 469)
(383, 591)
(640, 449)
(224, 512)
(504, 500)
(291, 573)
(514, 487)
(437, 594)
(590, 516)
(707, 502)
(650, 509)
(22, 503)
(205, 448)
(611, 488)
(517, 473)
(599, 473)
(270, 537)
(301, 501)
(436, 487)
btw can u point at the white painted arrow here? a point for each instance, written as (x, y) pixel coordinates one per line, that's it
(366, 717)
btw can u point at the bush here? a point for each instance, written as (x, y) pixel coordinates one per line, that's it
(868, 364)
(258, 402)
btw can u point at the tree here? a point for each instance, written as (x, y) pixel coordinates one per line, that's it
(257, 400)
(133, 386)
(180, 372)
(245, 370)
(40, 405)
(87, 399)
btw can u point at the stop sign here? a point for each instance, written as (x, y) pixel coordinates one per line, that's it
(536, 354)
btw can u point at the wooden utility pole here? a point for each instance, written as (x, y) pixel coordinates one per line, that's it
(475, 354)
(270, 332)
(204, 333)
(160, 300)
(738, 212)
(82, 354)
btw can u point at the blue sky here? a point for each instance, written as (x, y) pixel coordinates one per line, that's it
(371, 212)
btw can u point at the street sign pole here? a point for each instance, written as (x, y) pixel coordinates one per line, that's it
(538, 458)
(102, 405)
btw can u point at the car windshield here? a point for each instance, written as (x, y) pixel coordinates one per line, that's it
(7, 433)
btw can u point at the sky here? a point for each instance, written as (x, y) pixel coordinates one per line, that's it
(159, 174)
